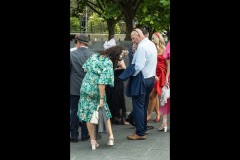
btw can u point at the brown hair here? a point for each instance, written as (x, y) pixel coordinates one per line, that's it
(114, 54)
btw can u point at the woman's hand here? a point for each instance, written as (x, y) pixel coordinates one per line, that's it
(121, 64)
(101, 102)
(101, 94)
(134, 47)
(156, 78)
(166, 82)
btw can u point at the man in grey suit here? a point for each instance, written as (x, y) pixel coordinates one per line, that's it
(77, 58)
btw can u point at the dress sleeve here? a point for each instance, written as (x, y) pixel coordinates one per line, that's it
(107, 74)
(166, 54)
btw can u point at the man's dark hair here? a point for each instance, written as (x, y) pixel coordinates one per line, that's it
(144, 30)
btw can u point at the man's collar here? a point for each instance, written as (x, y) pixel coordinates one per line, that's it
(83, 47)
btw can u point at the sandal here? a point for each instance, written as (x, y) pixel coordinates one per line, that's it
(110, 141)
(94, 144)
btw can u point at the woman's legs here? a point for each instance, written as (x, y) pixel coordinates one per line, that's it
(165, 110)
(165, 120)
(91, 130)
(153, 98)
(110, 133)
(157, 110)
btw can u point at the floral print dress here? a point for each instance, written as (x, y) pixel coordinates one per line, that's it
(99, 71)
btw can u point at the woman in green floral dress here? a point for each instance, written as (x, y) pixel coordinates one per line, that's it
(99, 68)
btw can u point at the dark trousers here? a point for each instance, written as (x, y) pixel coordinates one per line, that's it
(74, 120)
(140, 107)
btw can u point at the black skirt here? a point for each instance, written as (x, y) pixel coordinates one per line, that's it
(116, 99)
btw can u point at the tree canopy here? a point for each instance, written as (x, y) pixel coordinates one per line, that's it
(153, 14)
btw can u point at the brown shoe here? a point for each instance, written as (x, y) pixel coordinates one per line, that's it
(136, 137)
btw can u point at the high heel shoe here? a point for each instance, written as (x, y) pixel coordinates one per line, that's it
(94, 144)
(110, 141)
(163, 129)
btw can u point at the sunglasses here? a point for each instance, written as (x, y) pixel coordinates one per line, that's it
(136, 31)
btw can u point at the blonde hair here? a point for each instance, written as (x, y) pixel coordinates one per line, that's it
(158, 39)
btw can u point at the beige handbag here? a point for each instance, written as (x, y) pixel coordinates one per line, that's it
(94, 119)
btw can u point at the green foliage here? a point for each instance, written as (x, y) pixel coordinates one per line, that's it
(74, 24)
(111, 11)
(74, 8)
(117, 29)
(154, 14)
(107, 10)
(96, 24)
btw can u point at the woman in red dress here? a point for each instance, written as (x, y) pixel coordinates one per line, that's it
(160, 77)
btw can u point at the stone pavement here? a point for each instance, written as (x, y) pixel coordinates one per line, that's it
(155, 147)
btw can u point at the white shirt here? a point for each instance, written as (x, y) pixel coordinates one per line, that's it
(145, 58)
(73, 49)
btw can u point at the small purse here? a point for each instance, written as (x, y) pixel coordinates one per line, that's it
(94, 119)
(165, 95)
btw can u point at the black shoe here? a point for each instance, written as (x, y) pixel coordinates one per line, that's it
(73, 140)
(115, 122)
(149, 127)
(84, 138)
(130, 120)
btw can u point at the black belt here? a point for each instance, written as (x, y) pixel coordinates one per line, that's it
(150, 77)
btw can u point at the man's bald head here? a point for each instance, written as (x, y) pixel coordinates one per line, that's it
(137, 36)
(138, 31)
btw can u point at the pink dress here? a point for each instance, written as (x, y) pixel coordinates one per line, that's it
(166, 108)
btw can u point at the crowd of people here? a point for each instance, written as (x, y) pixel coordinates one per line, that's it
(97, 80)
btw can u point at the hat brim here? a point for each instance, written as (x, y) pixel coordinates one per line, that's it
(83, 42)
(88, 43)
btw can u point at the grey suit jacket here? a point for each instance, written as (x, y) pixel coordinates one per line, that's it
(77, 58)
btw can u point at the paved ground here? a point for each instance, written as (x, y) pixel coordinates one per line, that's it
(155, 147)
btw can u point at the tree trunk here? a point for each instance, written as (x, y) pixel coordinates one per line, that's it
(129, 10)
(111, 26)
(129, 28)
(168, 34)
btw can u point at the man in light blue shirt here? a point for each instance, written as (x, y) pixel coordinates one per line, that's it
(145, 60)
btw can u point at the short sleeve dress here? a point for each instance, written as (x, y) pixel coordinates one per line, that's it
(99, 71)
